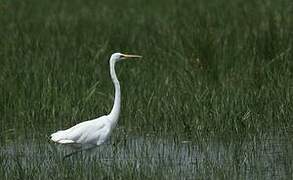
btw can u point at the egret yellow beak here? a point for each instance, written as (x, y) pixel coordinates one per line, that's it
(126, 56)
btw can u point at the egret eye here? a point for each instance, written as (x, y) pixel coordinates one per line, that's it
(94, 132)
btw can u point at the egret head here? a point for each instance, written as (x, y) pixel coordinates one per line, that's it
(119, 56)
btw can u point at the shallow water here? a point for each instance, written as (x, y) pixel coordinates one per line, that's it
(268, 158)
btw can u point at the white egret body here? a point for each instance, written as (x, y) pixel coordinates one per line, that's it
(95, 132)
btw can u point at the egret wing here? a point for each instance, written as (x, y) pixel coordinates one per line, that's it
(82, 133)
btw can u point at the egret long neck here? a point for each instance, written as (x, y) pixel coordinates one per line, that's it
(117, 102)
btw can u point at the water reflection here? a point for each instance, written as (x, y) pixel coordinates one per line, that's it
(268, 158)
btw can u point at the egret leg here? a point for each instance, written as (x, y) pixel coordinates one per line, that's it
(72, 153)
(77, 151)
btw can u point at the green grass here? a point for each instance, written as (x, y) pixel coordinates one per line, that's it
(212, 71)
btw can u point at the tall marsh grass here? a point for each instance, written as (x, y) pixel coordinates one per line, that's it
(211, 69)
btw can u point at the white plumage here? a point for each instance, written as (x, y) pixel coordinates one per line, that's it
(82, 133)
(95, 132)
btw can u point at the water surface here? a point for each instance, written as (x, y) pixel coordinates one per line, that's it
(151, 157)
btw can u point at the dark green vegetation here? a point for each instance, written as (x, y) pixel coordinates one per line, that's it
(217, 74)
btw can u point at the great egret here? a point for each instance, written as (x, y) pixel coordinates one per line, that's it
(89, 134)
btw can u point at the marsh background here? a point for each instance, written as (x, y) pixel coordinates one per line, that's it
(212, 97)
